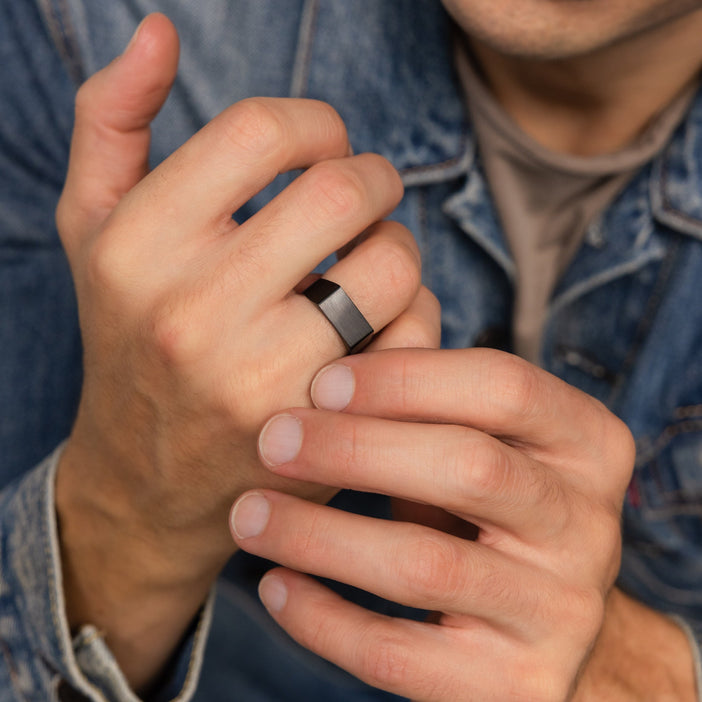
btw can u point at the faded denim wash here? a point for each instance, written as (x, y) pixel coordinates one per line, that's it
(625, 323)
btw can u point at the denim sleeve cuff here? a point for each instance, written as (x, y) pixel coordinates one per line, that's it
(695, 639)
(38, 658)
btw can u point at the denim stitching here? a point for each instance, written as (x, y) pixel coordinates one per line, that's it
(49, 538)
(300, 78)
(666, 436)
(679, 596)
(661, 165)
(87, 638)
(677, 503)
(7, 655)
(688, 412)
(460, 158)
(423, 234)
(654, 301)
(64, 37)
(195, 662)
(301, 69)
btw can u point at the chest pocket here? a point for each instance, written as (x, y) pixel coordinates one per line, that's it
(668, 478)
(663, 517)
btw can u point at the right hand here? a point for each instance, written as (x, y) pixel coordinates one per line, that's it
(193, 332)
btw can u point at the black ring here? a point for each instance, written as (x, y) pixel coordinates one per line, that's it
(343, 315)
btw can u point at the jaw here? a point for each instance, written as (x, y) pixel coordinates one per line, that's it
(562, 29)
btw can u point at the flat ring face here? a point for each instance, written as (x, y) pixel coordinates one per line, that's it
(343, 315)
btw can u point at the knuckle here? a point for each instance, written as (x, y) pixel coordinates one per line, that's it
(85, 100)
(174, 334)
(407, 384)
(606, 543)
(481, 469)
(329, 122)
(385, 660)
(315, 634)
(416, 331)
(400, 265)
(621, 450)
(308, 541)
(106, 265)
(520, 385)
(385, 168)
(337, 191)
(249, 262)
(584, 610)
(595, 561)
(389, 659)
(431, 569)
(611, 445)
(431, 302)
(347, 451)
(91, 111)
(538, 486)
(423, 321)
(254, 127)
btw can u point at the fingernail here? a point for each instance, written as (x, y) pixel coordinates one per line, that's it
(273, 593)
(250, 515)
(280, 440)
(133, 40)
(333, 387)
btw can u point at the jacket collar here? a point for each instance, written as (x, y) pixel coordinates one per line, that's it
(399, 94)
(676, 182)
(665, 196)
(400, 97)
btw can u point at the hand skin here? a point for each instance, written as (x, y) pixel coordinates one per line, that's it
(193, 332)
(524, 610)
(640, 656)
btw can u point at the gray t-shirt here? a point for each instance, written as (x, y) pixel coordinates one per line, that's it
(546, 200)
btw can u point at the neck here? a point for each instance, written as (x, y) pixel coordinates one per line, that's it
(599, 102)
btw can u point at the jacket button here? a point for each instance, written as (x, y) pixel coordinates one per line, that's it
(494, 338)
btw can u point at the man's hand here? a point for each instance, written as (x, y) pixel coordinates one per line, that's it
(194, 332)
(537, 466)
(640, 656)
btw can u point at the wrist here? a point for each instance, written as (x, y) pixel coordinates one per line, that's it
(640, 654)
(111, 510)
(127, 581)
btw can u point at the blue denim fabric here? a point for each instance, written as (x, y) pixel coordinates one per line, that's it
(625, 323)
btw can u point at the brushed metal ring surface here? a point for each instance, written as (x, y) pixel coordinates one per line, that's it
(342, 313)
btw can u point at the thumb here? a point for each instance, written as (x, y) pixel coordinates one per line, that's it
(111, 136)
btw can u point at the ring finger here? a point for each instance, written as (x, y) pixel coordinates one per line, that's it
(382, 277)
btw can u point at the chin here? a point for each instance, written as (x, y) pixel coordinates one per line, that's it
(560, 29)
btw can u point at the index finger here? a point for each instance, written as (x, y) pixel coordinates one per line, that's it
(489, 390)
(233, 158)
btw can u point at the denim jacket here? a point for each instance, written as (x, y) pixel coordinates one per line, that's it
(624, 324)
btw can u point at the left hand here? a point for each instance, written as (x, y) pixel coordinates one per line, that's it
(540, 469)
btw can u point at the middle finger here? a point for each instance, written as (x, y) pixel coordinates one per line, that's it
(459, 469)
(319, 212)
